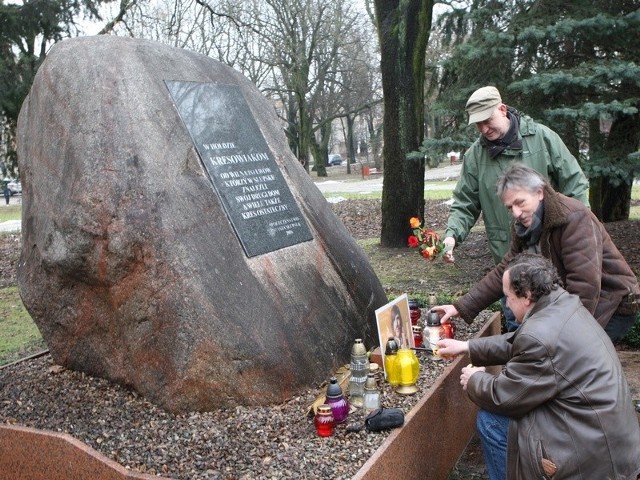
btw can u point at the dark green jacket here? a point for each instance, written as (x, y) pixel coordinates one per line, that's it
(542, 150)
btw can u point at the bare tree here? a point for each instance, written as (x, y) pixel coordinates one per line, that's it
(306, 55)
(361, 92)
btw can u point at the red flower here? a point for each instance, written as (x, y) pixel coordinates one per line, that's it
(426, 239)
(429, 252)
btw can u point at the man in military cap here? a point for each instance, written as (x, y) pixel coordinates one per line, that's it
(506, 136)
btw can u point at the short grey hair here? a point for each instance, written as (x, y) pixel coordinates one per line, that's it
(519, 176)
(532, 273)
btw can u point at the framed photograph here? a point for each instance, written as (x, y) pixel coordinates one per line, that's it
(394, 321)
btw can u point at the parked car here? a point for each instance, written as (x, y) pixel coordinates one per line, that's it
(334, 159)
(14, 187)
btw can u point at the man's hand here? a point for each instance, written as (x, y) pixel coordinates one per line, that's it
(449, 245)
(446, 312)
(447, 347)
(466, 374)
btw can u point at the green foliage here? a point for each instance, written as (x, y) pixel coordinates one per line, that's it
(11, 212)
(27, 30)
(633, 337)
(618, 173)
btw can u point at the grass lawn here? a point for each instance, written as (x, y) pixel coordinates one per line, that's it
(10, 212)
(444, 193)
(19, 336)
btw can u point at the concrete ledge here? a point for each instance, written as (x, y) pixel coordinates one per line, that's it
(436, 430)
(31, 454)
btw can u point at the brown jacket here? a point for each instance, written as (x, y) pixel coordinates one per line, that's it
(582, 251)
(565, 392)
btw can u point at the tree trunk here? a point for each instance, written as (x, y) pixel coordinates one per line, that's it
(320, 149)
(403, 31)
(291, 130)
(304, 132)
(374, 141)
(351, 145)
(609, 202)
(615, 190)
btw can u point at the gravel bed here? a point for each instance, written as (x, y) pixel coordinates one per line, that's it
(240, 443)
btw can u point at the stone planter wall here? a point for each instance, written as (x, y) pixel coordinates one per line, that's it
(31, 454)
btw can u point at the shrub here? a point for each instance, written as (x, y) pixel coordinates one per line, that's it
(633, 337)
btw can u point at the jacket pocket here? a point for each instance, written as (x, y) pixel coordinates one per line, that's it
(498, 234)
(499, 242)
(547, 466)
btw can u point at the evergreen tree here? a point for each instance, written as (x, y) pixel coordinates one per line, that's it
(27, 31)
(574, 66)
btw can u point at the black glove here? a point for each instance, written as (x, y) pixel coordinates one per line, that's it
(384, 419)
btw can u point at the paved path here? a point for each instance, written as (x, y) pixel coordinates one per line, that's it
(10, 226)
(432, 176)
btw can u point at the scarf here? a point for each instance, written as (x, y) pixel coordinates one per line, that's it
(511, 138)
(531, 235)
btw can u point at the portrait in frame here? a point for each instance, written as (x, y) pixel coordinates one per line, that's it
(394, 321)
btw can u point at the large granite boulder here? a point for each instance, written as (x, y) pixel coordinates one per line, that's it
(138, 266)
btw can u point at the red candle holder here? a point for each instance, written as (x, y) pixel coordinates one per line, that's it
(324, 421)
(417, 336)
(414, 312)
(448, 330)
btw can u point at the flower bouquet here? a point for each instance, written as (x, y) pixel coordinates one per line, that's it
(426, 240)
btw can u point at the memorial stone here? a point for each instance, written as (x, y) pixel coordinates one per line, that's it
(171, 240)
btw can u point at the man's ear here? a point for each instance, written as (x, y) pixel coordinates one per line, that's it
(528, 298)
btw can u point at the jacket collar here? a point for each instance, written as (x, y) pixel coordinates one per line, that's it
(545, 301)
(526, 127)
(541, 304)
(554, 212)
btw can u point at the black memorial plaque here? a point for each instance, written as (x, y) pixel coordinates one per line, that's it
(243, 172)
